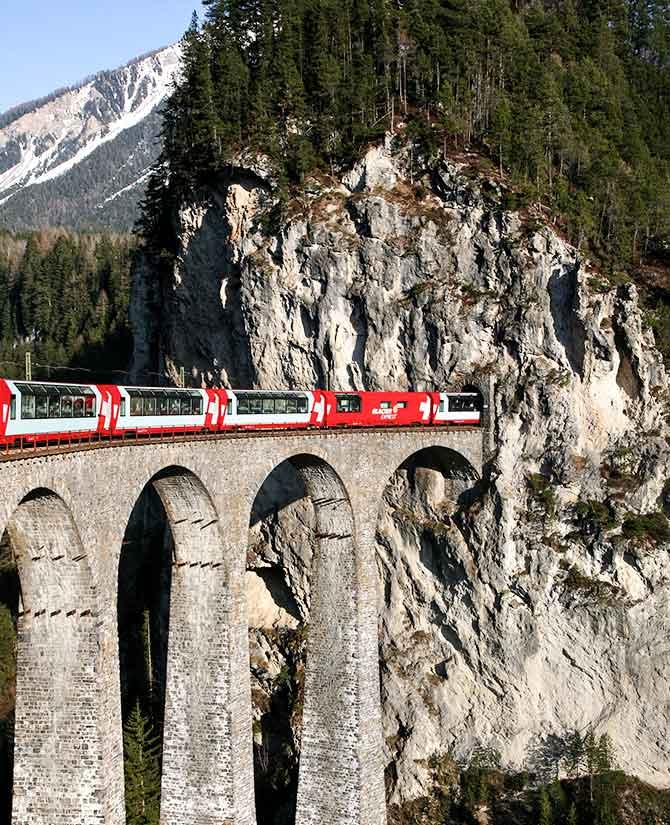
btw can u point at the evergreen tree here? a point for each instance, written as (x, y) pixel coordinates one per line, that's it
(575, 756)
(572, 815)
(572, 100)
(65, 297)
(142, 770)
(544, 809)
(591, 759)
(606, 782)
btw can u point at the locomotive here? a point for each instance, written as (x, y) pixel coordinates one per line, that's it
(38, 412)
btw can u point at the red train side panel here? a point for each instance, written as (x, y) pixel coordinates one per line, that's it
(5, 401)
(379, 409)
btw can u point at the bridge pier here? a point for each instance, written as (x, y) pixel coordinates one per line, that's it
(341, 774)
(61, 775)
(204, 781)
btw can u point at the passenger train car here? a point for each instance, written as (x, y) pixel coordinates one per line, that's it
(37, 412)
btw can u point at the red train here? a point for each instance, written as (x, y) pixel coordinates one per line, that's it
(38, 412)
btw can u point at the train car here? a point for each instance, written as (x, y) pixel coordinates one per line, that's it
(149, 410)
(379, 409)
(39, 411)
(401, 409)
(457, 408)
(281, 409)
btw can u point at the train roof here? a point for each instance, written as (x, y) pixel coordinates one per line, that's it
(40, 387)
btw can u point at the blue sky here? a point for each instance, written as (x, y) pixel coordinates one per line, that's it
(45, 44)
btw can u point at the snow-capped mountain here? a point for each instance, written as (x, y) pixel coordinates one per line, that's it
(80, 157)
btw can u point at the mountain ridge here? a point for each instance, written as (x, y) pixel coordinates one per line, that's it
(17, 110)
(79, 157)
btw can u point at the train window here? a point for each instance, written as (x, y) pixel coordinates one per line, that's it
(150, 405)
(384, 405)
(262, 404)
(42, 406)
(442, 405)
(78, 407)
(174, 405)
(54, 406)
(66, 406)
(229, 406)
(122, 409)
(136, 404)
(196, 405)
(163, 405)
(401, 405)
(185, 405)
(348, 403)
(89, 406)
(463, 403)
(27, 406)
(12, 407)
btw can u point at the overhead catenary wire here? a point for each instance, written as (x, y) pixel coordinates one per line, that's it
(60, 368)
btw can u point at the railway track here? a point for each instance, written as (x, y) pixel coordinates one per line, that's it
(24, 451)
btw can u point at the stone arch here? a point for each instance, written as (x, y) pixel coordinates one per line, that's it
(430, 462)
(200, 780)
(60, 696)
(425, 568)
(335, 783)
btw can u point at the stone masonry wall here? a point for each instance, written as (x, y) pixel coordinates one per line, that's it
(200, 481)
(58, 708)
(198, 775)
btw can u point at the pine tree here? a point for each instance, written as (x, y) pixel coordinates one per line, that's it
(544, 809)
(501, 130)
(142, 771)
(575, 757)
(604, 754)
(605, 785)
(591, 758)
(197, 121)
(572, 815)
(28, 272)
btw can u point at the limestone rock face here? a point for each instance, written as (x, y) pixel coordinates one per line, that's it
(511, 613)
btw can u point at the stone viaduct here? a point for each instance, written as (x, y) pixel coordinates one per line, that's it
(65, 516)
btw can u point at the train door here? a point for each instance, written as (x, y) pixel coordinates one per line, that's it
(109, 409)
(215, 409)
(7, 408)
(440, 401)
(319, 403)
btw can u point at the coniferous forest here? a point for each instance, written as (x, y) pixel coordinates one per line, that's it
(65, 298)
(570, 98)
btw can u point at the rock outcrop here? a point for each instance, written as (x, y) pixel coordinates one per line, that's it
(525, 609)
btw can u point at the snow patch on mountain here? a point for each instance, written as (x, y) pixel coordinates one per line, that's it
(142, 179)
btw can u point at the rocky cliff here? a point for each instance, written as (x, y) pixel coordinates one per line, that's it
(540, 602)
